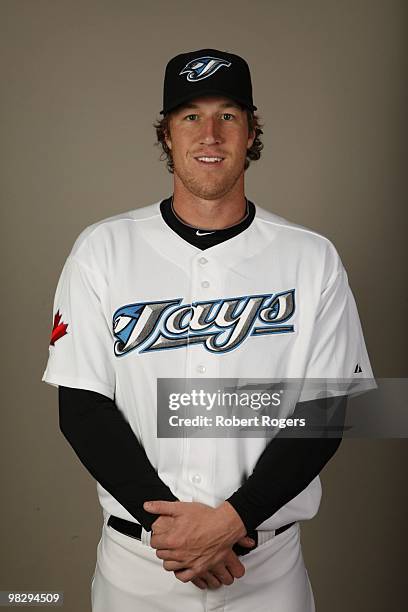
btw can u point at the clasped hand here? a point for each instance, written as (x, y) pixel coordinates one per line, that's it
(195, 541)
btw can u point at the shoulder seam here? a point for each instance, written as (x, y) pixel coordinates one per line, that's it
(294, 227)
(102, 222)
(81, 264)
(99, 224)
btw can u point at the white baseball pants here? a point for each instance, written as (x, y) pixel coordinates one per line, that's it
(130, 578)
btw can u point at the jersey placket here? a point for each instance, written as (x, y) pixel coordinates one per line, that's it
(201, 364)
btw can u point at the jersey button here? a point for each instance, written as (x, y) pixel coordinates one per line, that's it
(203, 261)
(201, 368)
(205, 284)
(196, 478)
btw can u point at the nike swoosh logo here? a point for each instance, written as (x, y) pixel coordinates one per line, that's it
(198, 233)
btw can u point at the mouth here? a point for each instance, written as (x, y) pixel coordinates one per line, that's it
(209, 160)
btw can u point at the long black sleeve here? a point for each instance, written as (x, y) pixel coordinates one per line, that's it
(108, 448)
(288, 465)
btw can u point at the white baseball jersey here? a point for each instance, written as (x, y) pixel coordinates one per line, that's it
(135, 302)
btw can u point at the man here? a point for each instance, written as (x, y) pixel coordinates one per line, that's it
(203, 284)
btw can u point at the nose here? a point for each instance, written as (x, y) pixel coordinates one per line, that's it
(210, 131)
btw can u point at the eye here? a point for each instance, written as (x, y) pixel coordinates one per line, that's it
(191, 117)
(227, 116)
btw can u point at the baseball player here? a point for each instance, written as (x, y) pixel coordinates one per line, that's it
(201, 284)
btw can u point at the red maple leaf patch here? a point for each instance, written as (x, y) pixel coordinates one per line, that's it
(59, 329)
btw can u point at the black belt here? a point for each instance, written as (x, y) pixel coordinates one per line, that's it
(134, 530)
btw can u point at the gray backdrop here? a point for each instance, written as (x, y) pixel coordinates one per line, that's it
(81, 87)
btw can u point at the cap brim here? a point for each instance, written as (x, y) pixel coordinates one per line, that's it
(207, 92)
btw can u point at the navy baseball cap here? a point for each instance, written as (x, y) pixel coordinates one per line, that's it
(203, 72)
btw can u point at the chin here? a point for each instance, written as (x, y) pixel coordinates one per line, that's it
(210, 192)
(207, 190)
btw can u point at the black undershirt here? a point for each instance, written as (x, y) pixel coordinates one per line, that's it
(107, 446)
(209, 237)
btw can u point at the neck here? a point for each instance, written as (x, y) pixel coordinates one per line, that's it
(217, 213)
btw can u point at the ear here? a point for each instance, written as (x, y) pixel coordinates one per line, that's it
(251, 138)
(167, 137)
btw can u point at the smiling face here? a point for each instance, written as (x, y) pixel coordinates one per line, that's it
(209, 139)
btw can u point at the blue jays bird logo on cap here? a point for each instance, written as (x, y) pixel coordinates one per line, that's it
(203, 67)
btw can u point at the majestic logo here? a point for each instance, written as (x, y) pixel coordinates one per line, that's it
(203, 67)
(59, 328)
(220, 325)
